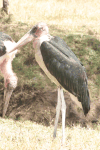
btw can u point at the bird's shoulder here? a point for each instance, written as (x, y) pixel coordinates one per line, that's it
(56, 46)
(64, 48)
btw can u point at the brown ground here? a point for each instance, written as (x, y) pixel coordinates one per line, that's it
(40, 106)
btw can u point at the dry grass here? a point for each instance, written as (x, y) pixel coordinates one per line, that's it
(66, 14)
(31, 136)
(71, 15)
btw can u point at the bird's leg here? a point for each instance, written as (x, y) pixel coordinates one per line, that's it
(63, 115)
(58, 107)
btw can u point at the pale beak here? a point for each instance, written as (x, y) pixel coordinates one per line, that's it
(7, 95)
(28, 37)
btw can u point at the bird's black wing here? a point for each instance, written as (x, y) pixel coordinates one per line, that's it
(3, 37)
(63, 47)
(67, 70)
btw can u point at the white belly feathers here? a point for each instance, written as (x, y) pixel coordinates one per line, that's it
(39, 59)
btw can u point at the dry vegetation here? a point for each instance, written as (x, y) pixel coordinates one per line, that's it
(31, 136)
(77, 22)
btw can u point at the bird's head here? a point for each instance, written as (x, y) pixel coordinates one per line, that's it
(36, 32)
(39, 30)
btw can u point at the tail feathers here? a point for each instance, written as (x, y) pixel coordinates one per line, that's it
(85, 100)
(86, 108)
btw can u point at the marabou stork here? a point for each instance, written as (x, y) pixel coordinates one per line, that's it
(61, 65)
(10, 79)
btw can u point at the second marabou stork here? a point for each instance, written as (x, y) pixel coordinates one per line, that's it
(61, 65)
(10, 78)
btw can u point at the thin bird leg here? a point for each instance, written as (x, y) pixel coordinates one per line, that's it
(63, 115)
(58, 108)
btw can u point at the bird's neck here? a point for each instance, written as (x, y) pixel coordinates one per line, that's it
(37, 42)
(6, 69)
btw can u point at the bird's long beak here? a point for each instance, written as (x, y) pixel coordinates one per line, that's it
(28, 37)
(7, 95)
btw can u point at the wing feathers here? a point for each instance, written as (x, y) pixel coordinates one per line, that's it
(70, 74)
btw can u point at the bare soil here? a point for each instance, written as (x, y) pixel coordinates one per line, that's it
(40, 107)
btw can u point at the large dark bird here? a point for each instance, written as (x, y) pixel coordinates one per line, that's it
(61, 65)
(10, 79)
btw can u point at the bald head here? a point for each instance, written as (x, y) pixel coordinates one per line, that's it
(39, 29)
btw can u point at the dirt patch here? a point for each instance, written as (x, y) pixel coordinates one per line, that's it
(40, 106)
